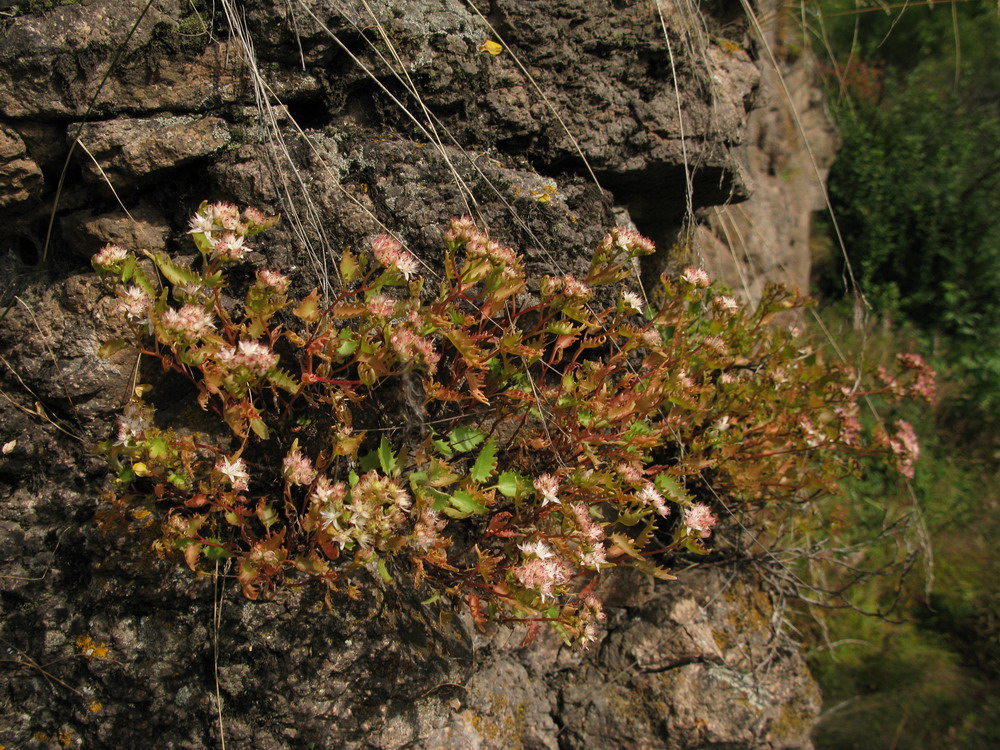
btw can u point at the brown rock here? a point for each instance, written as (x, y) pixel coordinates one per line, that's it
(20, 177)
(143, 228)
(128, 151)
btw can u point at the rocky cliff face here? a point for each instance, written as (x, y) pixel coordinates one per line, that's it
(117, 117)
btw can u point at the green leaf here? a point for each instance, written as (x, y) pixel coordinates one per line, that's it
(669, 488)
(386, 458)
(158, 447)
(283, 380)
(111, 347)
(267, 515)
(259, 428)
(444, 448)
(349, 269)
(348, 347)
(464, 438)
(486, 463)
(308, 309)
(369, 461)
(175, 274)
(464, 504)
(216, 553)
(440, 498)
(509, 483)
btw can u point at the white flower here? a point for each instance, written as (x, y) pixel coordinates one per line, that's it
(548, 487)
(235, 472)
(631, 301)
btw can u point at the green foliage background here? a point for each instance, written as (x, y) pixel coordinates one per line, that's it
(915, 92)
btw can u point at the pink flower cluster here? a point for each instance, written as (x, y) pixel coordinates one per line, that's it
(135, 303)
(257, 358)
(924, 382)
(481, 246)
(649, 497)
(411, 346)
(547, 486)
(273, 280)
(725, 305)
(391, 255)
(696, 277)
(135, 419)
(224, 230)
(904, 445)
(590, 552)
(109, 256)
(460, 231)
(570, 286)
(628, 240)
(545, 571)
(381, 306)
(189, 323)
(699, 520)
(297, 468)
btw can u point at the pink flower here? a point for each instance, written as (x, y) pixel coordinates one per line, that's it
(110, 256)
(628, 240)
(629, 472)
(631, 301)
(576, 289)
(716, 344)
(906, 447)
(257, 220)
(229, 246)
(133, 422)
(135, 303)
(696, 277)
(390, 254)
(544, 576)
(257, 358)
(725, 304)
(189, 323)
(427, 530)
(537, 548)
(226, 215)
(924, 385)
(410, 346)
(460, 231)
(298, 469)
(649, 496)
(381, 306)
(592, 532)
(547, 486)
(273, 280)
(699, 518)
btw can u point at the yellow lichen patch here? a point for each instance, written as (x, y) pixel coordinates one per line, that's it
(95, 706)
(91, 649)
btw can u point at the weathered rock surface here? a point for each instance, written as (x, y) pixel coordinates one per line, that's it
(127, 152)
(350, 120)
(20, 177)
(791, 142)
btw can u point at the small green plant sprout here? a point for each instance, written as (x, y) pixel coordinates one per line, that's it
(486, 439)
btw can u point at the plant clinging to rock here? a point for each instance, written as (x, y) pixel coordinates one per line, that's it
(488, 440)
